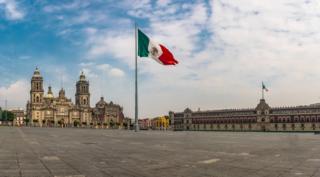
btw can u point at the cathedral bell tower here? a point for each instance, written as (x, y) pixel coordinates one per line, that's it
(36, 92)
(82, 92)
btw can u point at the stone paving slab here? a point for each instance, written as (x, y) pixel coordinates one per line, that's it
(62, 152)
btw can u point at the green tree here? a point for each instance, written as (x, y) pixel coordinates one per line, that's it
(7, 116)
(27, 121)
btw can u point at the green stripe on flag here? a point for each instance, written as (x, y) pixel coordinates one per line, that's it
(143, 43)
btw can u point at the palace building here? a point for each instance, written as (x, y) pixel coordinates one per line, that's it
(261, 118)
(46, 109)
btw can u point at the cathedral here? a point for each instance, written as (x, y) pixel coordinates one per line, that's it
(48, 110)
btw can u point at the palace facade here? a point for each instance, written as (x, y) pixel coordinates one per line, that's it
(48, 110)
(261, 118)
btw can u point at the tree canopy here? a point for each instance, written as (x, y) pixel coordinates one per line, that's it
(6, 116)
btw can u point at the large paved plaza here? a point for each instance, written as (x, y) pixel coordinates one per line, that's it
(91, 152)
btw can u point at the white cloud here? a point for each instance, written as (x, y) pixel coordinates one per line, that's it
(116, 72)
(104, 69)
(90, 30)
(119, 44)
(163, 2)
(12, 11)
(90, 73)
(16, 94)
(75, 5)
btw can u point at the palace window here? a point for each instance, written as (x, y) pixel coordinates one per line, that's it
(292, 119)
(284, 126)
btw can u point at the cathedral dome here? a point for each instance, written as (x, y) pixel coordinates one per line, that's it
(50, 94)
(101, 102)
(62, 93)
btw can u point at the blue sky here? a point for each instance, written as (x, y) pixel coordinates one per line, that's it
(225, 49)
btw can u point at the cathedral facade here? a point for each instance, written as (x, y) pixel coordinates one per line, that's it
(48, 110)
(261, 118)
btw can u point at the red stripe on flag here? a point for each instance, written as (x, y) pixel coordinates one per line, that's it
(167, 58)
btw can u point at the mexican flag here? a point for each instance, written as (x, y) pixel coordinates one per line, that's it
(264, 87)
(152, 49)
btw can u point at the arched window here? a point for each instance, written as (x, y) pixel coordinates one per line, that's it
(37, 99)
(84, 101)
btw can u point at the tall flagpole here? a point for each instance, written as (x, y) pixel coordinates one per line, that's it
(262, 90)
(136, 80)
